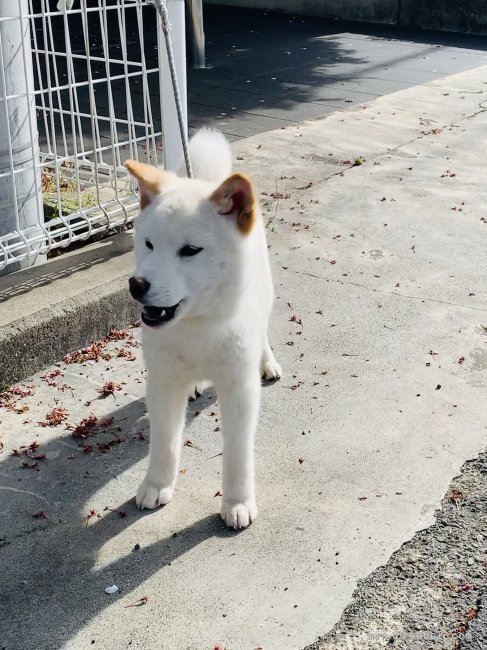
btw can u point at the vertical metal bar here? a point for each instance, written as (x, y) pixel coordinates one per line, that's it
(44, 245)
(45, 9)
(175, 30)
(73, 96)
(42, 98)
(148, 119)
(131, 135)
(57, 84)
(93, 110)
(111, 105)
(19, 187)
(196, 33)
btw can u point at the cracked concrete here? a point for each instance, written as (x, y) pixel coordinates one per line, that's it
(382, 401)
(432, 592)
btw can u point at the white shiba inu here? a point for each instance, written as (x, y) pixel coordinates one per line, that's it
(204, 284)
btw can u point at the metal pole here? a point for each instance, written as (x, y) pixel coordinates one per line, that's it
(196, 35)
(173, 146)
(20, 184)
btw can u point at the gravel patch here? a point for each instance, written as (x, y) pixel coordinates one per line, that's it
(433, 591)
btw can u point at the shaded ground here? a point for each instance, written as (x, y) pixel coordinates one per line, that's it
(265, 70)
(270, 70)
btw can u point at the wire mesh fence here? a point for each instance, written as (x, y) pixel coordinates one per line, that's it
(80, 92)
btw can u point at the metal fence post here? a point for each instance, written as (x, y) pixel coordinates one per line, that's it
(173, 147)
(20, 183)
(196, 33)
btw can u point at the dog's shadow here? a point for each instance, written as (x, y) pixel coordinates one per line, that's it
(50, 587)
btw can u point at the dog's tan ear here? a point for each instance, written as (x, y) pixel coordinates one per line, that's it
(236, 198)
(151, 180)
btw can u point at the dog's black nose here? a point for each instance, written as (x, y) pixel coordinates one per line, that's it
(138, 287)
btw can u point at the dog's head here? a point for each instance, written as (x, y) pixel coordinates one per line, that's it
(191, 244)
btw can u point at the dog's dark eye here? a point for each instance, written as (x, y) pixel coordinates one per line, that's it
(149, 245)
(189, 251)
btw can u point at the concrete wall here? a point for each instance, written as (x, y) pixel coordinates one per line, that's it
(376, 11)
(468, 16)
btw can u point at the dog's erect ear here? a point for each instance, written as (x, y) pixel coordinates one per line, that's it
(236, 198)
(151, 180)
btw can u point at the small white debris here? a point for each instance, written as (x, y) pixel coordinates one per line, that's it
(111, 590)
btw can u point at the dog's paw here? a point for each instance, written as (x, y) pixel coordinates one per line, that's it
(239, 515)
(150, 495)
(271, 370)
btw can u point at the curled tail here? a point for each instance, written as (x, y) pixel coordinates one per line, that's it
(211, 156)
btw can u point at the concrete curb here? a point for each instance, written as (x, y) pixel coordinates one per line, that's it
(63, 305)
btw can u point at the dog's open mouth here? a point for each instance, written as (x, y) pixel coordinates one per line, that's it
(154, 316)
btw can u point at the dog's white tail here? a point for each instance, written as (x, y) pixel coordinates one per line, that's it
(211, 156)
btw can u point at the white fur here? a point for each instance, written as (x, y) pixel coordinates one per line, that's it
(211, 157)
(219, 332)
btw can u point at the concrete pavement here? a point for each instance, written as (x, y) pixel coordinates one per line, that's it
(377, 231)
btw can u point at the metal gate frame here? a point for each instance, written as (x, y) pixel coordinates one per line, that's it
(95, 105)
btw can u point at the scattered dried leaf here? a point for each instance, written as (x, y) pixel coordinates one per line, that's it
(280, 195)
(90, 516)
(296, 319)
(54, 417)
(39, 515)
(125, 354)
(189, 443)
(138, 603)
(121, 513)
(90, 426)
(456, 496)
(49, 377)
(109, 388)
(93, 352)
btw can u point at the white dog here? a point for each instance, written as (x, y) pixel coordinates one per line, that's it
(204, 283)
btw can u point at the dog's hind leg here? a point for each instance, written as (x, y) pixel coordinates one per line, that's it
(166, 404)
(269, 368)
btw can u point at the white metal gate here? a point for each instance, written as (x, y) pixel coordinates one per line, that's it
(94, 95)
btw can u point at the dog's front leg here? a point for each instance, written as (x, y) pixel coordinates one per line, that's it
(166, 405)
(239, 410)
